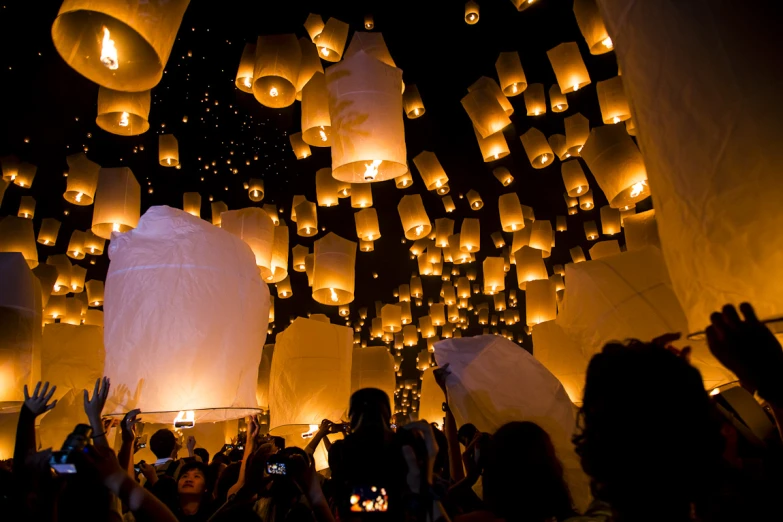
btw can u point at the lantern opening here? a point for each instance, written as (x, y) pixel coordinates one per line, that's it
(185, 419)
(607, 42)
(109, 51)
(273, 92)
(308, 434)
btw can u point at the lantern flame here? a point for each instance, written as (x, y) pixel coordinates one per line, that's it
(75, 286)
(637, 189)
(92, 250)
(255, 193)
(324, 51)
(544, 158)
(576, 87)
(46, 241)
(333, 295)
(418, 230)
(311, 432)
(247, 82)
(607, 42)
(78, 197)
(273, 92)
(115, 227)
(371, 170)
(616, 120)
(57, 288)
(322, 134)
(578, 190)
(514, 88)
(109, 51)
(124, 119)
(185, 419)
(416, 112)
(537, 112)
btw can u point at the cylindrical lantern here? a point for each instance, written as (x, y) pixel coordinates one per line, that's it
(569, 67)
(331, 40)
(254, 227)
(218, 207)
(444, 227)
(591, 230)
(82, 179)
(93, 244)
(416, 288)
(306, 219)
(326, 188)
(558, 144)
(557, 100)
(78, 275)
(371, 148)
(494, 275)
(279, 269)
(26, 207)
(617, 165)
(271, 211)
(415, 221)
(391, 316)
(438, 314)
(497, 239)
(592, 26)
(369, 24)
(540, 302)
(333, 270)
(410, 337)
(560, 224)
(62, 285)
(123, 113)
(431, 171)
(168, 150)
(191, 203)
(463, 288)
(47, 235)
(244, 78)
(448, 204)
(76, 245)
(510, 210)
(535, 100)
(470, 235)
(586, 200)
(577, 130)
(610, 220)
(300, 148)
(313, 24)
(485, 111)
(577, 254)
(276, 70)
(404, 181)
(530, 266)
(316, 123)
(492, 87)
(310, 65)
(574, 178)
(255, 189)
(95, 292)
(284, 290)
(366, 246)
(503, 176)
(474, 198)
(411, 100)
(404, 293)
(117, 202)
(367, 227)
(20, 173)
(493, 147)
(471, 12)
(612, 100)
(541, 236)
(426, 327)
(361, 195)
(510, 73)
(539, 153)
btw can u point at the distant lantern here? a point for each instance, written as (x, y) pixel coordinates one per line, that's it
(76, 245)
(470, 235)
(391, 318)
(331, 40)
(276, 70)
(493, 147)
(333, 270)
(306, 219)
(433, 254)
(577, 254)
(55, 308)
(296, 200)
(254, 227)
(168, 150)
(425, 267)
(494, 275)
(26, 207)
(497, 239)
(510, 73)
(612, 100)
(301, 149)
(369, 24)
(535, 100)
(255, 189)
(62, 285)
(218, 207)
(78, 275)
(539, 153)
(316, 123)
(82, 179)
(361, 195)
(244, 79)
(444, 227)
(326, 188)
(191, 203)
(558, 144)
(117, 202)
(426, 327)
(541, 236)
(367, 227)
(610, 220)
(540, 302)
(95, 290)
(530, 266)
(577, 130)
(405, 293)
(604, 249)
(271, 211)
(417, 290)
(485, 111)
(557, 100)
(430, 169)
(448, 204)
(344, 310)
(284, 290)
(17, 235)
(569, 67)
(592, 26)
(47, 234)
(415, 221)
(123, 113)
(365, 105)
(310, 65)
(493, 88)
(21, 174)
(366, 246)
(503, 175)
(574, 178)
(409, 335)
(471, 12)
(591, 230)
(586, 201)
(617, 165)
(298, 253)
(474, 199)
(10, 166)
(313, 24)
(279, 269)
(404, 181)
(560, 224)
(411, 99)
(405, 306)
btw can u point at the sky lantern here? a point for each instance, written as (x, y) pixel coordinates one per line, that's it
(279, 268)
(168, 150)
(604, 249)
(316, 123)
(569, 67)
(244, 78)
(610, 220)
(76, 245)
(191, 203)
(366, 246)
(298, 253)
(474, 200)
(254, 227)
(26, 207)
(574, 178)
(117, 202)
(361, 195)
(47, 234)
(217, 208)
(255, 189)
(404, 181)
(123, 113)
(557, 100)
(577, 254)
(537, 148)
(493, 147)
(530, 266)
(471, 12)
(612, 100)
(367, 227)
(577, 130)
(391, 316)
(333, 270)
(411, 99)
(469, 235)
(78, 275)
(591, 230)
(276, 70)
(430, 169)
(510, 73)
(492, 87)
(561, 224)
(300, 148)
(415, 221)
(373, 367)
(326, 188)
(410, 336)
(95, 292)
(313, 24)
(485, 111)
(535, 100)
(541, 236)
(331, 40)
(592, 26)
(82, 179)
(284, 290)
(586, 200)
(444, 227)
(558, 144)
(306, 219)
(540, 302)
(494, 275)
(62, 285)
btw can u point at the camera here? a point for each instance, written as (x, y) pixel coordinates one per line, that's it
(275, 468)
(137, 467)
(141, 442)
(368, 499)
(285, 463)
(61, 461)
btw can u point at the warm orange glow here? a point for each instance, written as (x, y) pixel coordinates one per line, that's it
(608, 42)
(185, 419)
(109, 51)
(637, 189)
(115, 227)
(371, 170)
(123, 119)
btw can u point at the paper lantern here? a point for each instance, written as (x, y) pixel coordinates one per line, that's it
(431, 171)
(558, 144)
(416, 288)
(191, 203)
(93, 244)
(493, 147)
(374, 45)
(569, 67)
(93, 318)
(218, 207)
(625, 213)
(510, 210)
(391, 316)
(76, 245)
(404, 181)
(503, 176)
(530, 266)
(444, 227)
(521, 5)
(276, 70)
(577, 254)
(326, 188)
(617, 165)
(254, 227)
(306, 219)
(591, 230)
(485, 111)
(363, 89)
(404, 293)
(574, 178)
(73, 312)
(612, 100)
(497, 239)
(494, 275)
(331, 40)
(415, 221)
(641, 231)
(557, 100)
(412, 102)
(298, 254)
(64, 268)
(333, 270)
(367, 227)
(314, 24)
(493, 88)
(168, 150)
(560, 224)
(539, 153)
(26, 207)
(577, 130)
(541, 236)
(474, 199)
(540, 302)
(426, 327)
(448, 204)
(373, 367)
(604, 249)
(366, 246)
(82, 179)
(535, 100)
(316, 122)
(300, 148)
(47, 234)
(10, 166)
(17, 235)
(610, 220)
(279, 269)
(271, 211)
(361, 195)
(95, 290)
(592, 26)
(244, 78)
(215, 336)
(463, 288)
(296, 200)
(409, 335)
(310, 65)
(284, 290)
(586, 200)
(510, 73)
(23, 175)
(470, 235)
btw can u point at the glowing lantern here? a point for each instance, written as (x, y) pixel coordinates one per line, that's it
(541, 236)
(300, 148)
(539, 153)
(311, 64)
(367, 227)
(448, 204)
(10, 169)
(560, 224)
(244, 79)
(412, 102)
(577, 130)
(369, 24)
(591, 230)
(604, 249)
(510, 73)
(503, 176)
(373, 367)
(610, 220)
(284, 290)
(405, 306)
(255, 189)
(438, 314)
(95, 290)
(298, 253)
(316, 123)
(586, 200)
(426, 327)
(391, 316)
(470, 235)
(374, 45)
(626, 212)
(557, 99)
(577, 254)
(254, 227)
(168, 150)
(558, 144)
(404, 293)
(540, 302)
(492, 87)
(404, 181)
(569, 68)
(218, 207)
(331, 40)
(471, 12)
(26, 207)
(117, 202)
(306, 219)
(76, 245)
(641, 230)
(425, 267)
(333, 270)
(617, 165)
(326, 188)
(494, 275)
(535, 100)
(431, 171)
(592, 26)
(410, 337)
(530, 266)
(309, 261)
(493, 147)
(276, 70)
(485, 111)
(47, 235)
(62, 285)
(78, 275)
(313, 24)
(414, 218)
(612, 100)
(365, 104)
(474, 199)
(191, 203)
(444, 227)
(366, 246)
(574, 179)
(361, 195)
(271, 211)
(82, 179)
(497, 239)
(510, 210)
(279, 257)
(416, 289)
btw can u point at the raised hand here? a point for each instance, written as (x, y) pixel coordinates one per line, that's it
(37, 403)
(94, 407)
(191, 445)
(128, 425)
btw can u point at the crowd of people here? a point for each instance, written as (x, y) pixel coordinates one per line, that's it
(654, 443)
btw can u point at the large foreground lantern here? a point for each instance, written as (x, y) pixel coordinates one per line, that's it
(253, 226)
(592, 26)
(82, 179)
(333, 270)
(569, 67)
(316, 123)
(183, 293)
(244, 79)
(118, 45)
(373, 367)
(276, 70)
(365, 106)
(123, 113)
(17, 235)
(117, 202)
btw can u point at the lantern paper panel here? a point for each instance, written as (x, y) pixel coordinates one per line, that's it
(561, 356)
(244, 78)
(316, 122)
(612, 100)
(17, 235)
(569, 67)
(372, 44)
(510, 73)
(168, 150)
(373, 367)
(333, 270)
(310, 65)
(641, 230)
(276, 70)
(82, 179)
(604, 249)
(331, 40)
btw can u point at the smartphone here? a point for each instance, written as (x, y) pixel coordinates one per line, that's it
(369, 499)
(141, 441)
(275, 468)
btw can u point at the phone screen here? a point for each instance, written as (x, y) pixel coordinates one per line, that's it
(366, 499)
(275, 468)
(64, 469)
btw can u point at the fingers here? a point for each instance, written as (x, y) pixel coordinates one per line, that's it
(26, 393)
(51, 406)
(96, 389)
(43, 390)
(718, 326)
(731, 317)
(49, 395)
(86, 399)
(37, 389)
(748, 312)
(106, 386)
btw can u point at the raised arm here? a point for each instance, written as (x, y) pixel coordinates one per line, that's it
(450, 428)
(128, 428)
(34, 405)
(94, 408)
